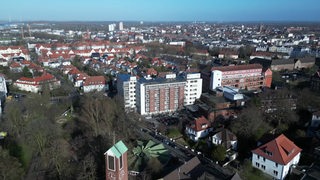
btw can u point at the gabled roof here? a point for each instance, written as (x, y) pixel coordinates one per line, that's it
(94, 80)
(226, 137)
(191, 169)
(118, 149)
(200, 124)
(282, 62)
(280, 150)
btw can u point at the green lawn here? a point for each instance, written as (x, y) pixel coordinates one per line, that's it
(173, 133)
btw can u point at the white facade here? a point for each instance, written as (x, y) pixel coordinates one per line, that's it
(28, 87)
(216, 79)
(127, 89)
(120, 26)
(195, 135)
(93, 87)
(218, 141)
(193, 88)
(141, 99)
(3, 86)
(112, 27)
(278, 171)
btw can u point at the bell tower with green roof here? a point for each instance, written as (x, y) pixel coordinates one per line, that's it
(117, 162)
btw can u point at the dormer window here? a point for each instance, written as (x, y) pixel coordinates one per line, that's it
(204, 125)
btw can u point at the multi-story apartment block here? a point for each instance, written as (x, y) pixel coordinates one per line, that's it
(160, 95)
(250, 77)
(193, 88)
(126, 86)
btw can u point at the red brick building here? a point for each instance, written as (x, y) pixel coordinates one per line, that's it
(249, 76)
(160, 95)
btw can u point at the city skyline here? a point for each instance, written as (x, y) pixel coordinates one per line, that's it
(166, 10)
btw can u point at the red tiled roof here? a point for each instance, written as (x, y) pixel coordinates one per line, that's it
(280, 150)
(237, 68)
(37, 80)
(15, 65)
(25, 62)
(94, 80)
(151, 71)
(200, 124)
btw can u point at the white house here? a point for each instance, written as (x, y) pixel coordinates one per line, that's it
(199, 128)
(225, 138)
(276, 157)
(94, 83)
(35, 84)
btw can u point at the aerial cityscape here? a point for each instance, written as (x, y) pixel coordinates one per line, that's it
(139, 90)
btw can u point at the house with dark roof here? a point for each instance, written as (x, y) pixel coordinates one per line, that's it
(194, 169)
(306, 62)
(282, 64)
(225, 138)
(191, 169)
(199, 128)
(276, 157)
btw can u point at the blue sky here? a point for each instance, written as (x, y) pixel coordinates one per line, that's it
(161, 10)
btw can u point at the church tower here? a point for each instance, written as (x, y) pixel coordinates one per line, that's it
(116, 160)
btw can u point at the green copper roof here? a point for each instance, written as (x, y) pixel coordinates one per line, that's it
(118, 149)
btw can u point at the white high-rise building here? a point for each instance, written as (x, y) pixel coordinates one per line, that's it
(126, 86)
(120, 26)
(193, 88)
(216, 79)
(3, 86)
(112, 27)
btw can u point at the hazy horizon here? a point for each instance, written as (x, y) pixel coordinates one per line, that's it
(162, 11)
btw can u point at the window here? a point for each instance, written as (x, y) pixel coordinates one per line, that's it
(264, 159)
(111, 163)
(257, 164)
(263, 167)
(276, 164)
(275, 172)
(258, 156)
(121, 163)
